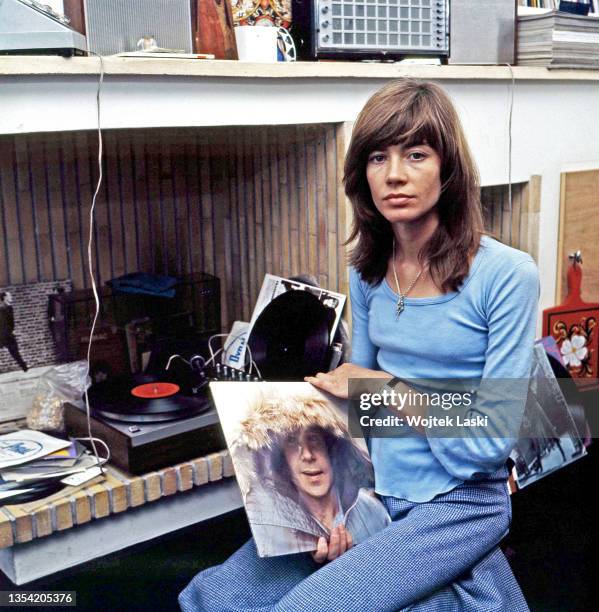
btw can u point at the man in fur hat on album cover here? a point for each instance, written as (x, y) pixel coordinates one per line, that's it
(303, 478)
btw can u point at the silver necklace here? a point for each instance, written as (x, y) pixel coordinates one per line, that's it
(401, 302)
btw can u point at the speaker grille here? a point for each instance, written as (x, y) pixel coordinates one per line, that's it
(409, 25)
(114, 26)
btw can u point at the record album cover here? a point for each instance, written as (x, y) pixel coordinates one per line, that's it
(299, 470)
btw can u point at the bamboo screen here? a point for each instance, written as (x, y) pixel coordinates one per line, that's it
(236, 203)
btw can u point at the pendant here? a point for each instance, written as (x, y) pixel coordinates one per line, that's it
(399, 306)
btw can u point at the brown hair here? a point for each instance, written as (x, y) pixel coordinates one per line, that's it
(410, 112)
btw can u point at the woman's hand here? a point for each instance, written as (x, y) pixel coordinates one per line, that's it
(336, 382)
(339, 541)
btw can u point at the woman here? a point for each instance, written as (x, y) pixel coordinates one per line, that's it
(432, 298)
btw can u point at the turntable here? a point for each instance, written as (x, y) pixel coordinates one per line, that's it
(148, 424)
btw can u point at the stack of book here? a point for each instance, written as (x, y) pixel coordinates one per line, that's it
(558, 40)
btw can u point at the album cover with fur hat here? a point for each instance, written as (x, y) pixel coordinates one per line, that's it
(300, 472)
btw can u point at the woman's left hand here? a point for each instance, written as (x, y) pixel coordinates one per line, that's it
(336, 382)
(339, 542)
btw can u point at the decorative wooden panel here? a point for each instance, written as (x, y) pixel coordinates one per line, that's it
(578, 230)
(234, 202)
(519, 225)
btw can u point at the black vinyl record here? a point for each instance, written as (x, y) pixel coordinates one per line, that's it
(36, 491)
(290, 338)
(115, 400)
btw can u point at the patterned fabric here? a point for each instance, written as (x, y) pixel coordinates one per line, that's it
(439, 555)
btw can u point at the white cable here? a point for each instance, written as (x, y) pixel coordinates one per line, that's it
(509, 155)
(89, 258)
(212, 353)
(168, 363)
(92, 439)
(224, 349)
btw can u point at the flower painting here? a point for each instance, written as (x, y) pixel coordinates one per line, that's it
(575, 345)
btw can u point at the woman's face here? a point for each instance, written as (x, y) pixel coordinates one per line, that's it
(405, 183)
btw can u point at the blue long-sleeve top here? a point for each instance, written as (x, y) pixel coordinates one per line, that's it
(484, 330)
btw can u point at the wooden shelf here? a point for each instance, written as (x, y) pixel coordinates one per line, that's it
(53, 65)
(118, 493)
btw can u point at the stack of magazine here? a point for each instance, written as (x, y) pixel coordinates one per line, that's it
(558, 40)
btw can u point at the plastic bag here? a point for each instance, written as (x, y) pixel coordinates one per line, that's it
(63, 383)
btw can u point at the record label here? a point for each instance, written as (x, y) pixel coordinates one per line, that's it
(155, 390)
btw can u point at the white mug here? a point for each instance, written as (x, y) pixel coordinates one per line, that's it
(256, 43)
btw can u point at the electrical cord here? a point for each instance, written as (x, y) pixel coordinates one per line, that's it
(509, 155)
(91, 438)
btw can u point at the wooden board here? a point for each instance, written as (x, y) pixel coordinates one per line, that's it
(578, 230)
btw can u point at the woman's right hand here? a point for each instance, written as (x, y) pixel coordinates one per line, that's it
(336, 382)
(340, 541)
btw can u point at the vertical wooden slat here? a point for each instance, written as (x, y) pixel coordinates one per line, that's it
(295, 203)
(102, 229)
(283, 201)
(321, 207)
(191, 202)
(40, 202)
(178, 169)
(142, 201)
(515, 216)
(250, 220)
(268, 239)
(222, 249)
(342, 135)
(275, 201)
(207, 207)
(233, 232)
(332, 209)
(117, 237)
(26, 224)
(5, 277)
(153, 204)
(534, 209)
(259, 254)
(198, 207)
(15, 271)
(302, 201)
(166, 205)
(73, 170)
(169, 224)
(311, 210)
(506, 218)
(58, 235)
(242, 207)
(130, 221)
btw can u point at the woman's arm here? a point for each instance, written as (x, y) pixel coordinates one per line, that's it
(512, 303)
